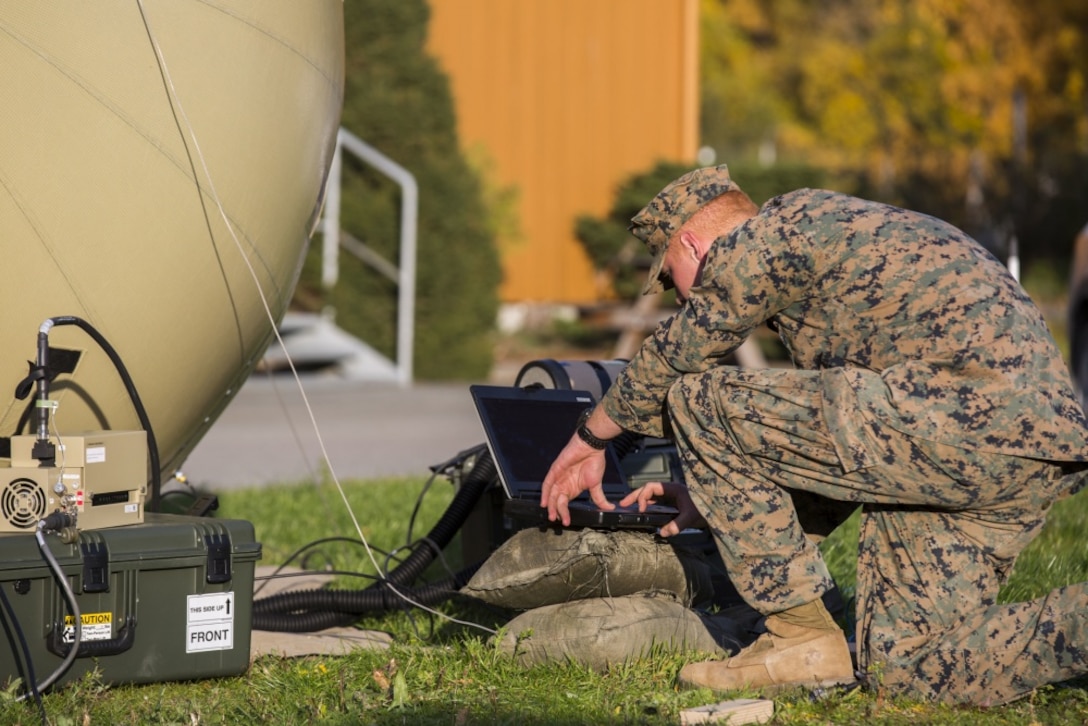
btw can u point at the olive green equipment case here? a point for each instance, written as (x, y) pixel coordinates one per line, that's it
(169, 599)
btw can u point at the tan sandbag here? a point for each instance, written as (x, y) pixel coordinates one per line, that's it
(546, 566)
(599, 632)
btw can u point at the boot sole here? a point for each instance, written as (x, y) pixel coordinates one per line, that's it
(777, 688)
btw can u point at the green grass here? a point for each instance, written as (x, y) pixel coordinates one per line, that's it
(438, 672)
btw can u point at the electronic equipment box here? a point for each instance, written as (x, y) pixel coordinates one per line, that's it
(168, 599)
(99, 478)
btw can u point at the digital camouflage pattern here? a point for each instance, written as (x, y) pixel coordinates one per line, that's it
(915, 323)
(940, 530)
(929, 391)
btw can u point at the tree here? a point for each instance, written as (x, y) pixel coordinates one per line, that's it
(609, 245)
(973, 110)
(399, 101)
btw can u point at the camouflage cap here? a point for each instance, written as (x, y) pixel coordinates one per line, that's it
(666, 213)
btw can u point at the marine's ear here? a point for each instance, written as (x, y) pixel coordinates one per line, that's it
(694, 244)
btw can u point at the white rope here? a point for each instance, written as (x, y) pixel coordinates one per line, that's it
(176, 101)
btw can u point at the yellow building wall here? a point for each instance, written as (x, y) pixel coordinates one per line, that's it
(568, 99)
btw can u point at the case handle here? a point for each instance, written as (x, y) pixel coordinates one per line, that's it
(126, 636)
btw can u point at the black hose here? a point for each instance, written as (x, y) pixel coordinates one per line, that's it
(134, 396)
(13, 628)
(482, 475)
(379, 596)
(302, 622)
(312, 610)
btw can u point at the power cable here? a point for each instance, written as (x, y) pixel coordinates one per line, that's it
(275, 574)
(316, 607)
(39, 375)
(69, 596)
(11, 623)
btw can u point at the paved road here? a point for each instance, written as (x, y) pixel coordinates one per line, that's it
(369, 429)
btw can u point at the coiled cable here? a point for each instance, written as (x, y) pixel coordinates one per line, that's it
(316, 609)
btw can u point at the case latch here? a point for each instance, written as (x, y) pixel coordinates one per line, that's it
(96, 567)
(218, 568)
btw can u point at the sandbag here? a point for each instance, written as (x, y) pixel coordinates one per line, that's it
(547, 566)
(599, 632)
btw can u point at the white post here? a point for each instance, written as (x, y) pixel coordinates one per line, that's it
(330, 224)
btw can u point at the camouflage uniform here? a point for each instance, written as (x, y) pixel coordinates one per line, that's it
(928, 390)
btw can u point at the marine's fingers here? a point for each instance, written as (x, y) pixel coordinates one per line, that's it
(598, 497)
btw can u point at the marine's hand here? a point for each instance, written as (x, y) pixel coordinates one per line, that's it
(578, 468)
(675, 494)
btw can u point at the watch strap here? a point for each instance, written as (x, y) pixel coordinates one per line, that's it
(586, 435)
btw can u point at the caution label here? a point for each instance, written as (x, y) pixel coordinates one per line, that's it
(95, 626)
(209, 622)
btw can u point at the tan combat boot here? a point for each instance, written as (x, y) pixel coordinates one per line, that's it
(788, 655)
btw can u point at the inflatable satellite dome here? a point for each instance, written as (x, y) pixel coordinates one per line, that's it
(161, 169)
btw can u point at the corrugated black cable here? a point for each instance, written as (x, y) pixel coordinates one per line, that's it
(381, 596)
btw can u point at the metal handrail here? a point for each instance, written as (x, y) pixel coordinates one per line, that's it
(404, 274)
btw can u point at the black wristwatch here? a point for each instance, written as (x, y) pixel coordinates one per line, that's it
(586, 435)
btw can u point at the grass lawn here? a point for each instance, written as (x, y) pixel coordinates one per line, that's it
(441, 672)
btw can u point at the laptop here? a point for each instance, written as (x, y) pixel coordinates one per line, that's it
(526, 428)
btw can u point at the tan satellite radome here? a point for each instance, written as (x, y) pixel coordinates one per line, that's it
(161, 165)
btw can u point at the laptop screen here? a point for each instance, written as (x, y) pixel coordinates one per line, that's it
(527, 428)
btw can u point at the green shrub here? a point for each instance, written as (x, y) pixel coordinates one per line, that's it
(399, 101)
(606, 240)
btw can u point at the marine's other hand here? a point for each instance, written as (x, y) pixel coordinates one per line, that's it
(673, 493)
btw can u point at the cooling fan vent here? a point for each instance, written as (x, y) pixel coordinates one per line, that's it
(22, 503)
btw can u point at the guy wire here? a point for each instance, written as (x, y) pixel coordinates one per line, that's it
(176, 102)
